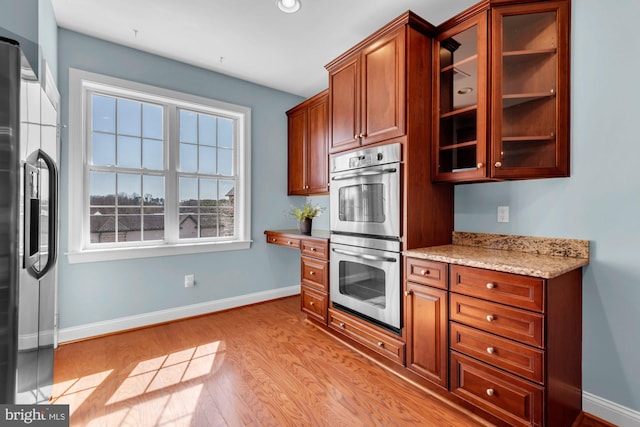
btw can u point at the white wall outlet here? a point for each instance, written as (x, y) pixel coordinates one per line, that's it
(189, 281)
(503, 213)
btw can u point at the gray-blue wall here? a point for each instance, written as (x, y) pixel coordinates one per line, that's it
(601, 200)
(101, 291)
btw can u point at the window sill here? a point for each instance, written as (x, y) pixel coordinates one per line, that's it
(114, 254)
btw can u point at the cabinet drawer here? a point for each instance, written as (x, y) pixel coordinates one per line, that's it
(516, 358)
(315, 248)
(514, 400)
(283, 240)
(314, 303)
(512, 289)
(426, 272)
(359, 331)
(509, 322)
(315, 273)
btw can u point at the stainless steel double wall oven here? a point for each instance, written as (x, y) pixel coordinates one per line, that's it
(366, 234)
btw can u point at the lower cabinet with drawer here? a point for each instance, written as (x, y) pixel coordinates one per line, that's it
(505, 344)
(516, 345)
(314, 270)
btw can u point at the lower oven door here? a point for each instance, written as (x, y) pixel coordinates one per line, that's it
(366, 282)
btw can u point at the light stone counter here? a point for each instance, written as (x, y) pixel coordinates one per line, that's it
(530, 256)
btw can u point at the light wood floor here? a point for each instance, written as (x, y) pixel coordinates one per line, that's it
(262, 365)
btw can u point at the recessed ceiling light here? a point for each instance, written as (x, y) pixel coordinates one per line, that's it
(289, 6)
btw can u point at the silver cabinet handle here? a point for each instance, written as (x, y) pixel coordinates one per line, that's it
(363, 173)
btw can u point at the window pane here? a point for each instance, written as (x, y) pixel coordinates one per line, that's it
(226, 208)
(152, 157)
(103, 149)
(129, 149)
(104, 113)
(129, 228)
(152, 123)
(188, 157)
(188, 126)
(207, 130)
(102, 188)
(153, 190)
(153, 227)
(208, 192)
(208, 226)
(188, 226)
(225, 133)
(129, 117)
(129, 191)
(188, 191)
(225, 162)
(207, 161)
(102, 228)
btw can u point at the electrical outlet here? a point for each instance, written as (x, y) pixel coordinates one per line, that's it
(189, 281)
(503, 213)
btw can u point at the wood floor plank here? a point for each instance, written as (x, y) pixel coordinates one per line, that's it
(261, 365)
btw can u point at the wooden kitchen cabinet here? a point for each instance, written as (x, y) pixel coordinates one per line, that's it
(501, 86)
(308, 162)
(314, 269)
(515, 345)
(368, 96)
(426, 319)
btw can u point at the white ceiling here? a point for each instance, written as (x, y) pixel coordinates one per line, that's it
(248, 39)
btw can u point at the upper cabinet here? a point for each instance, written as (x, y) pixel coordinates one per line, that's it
(501, 93)
(367, 91)
(308, 161)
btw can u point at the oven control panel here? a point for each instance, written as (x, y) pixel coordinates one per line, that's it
(368, 157)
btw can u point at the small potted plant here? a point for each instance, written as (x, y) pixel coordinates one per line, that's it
(305, 215)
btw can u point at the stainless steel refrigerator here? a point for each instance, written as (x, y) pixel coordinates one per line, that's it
(28, 228)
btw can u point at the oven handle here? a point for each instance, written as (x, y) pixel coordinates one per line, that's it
(363, 173)
(364, 256)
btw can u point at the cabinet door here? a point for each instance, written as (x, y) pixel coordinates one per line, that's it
(460, 102)
(383, 89)
(297, 135)
(344, 105)
(530, 80)
(317, 144)
(427, 332)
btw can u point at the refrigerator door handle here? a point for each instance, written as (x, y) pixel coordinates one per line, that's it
(32, 214)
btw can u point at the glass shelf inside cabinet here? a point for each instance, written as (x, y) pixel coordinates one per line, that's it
(458, 101)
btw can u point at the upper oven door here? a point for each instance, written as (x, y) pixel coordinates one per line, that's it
(366, 201)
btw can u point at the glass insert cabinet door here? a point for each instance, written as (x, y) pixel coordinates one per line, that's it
(460, 131)
(530, 89)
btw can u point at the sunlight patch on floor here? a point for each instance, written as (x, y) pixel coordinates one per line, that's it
(75, 391)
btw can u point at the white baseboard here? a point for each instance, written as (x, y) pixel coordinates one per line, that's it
(131, 322)
(610, 411)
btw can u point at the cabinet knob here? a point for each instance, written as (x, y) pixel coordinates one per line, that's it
(274, 240)
(313, 249)
(490, 318)
(288, 242)
(498, 164)
(312, 273)
(362, 135)
(425, 272)
(355, 136)
(313, 303)
(490, 392)
(342, 324)
(491, 350)
(408, 293)
(480, 165)
(490, 285)
(380, 344)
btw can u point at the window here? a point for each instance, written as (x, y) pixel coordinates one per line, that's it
(154, 172)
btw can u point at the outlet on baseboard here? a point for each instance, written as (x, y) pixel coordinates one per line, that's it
(189, 281)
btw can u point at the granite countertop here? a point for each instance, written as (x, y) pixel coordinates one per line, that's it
(530, 256)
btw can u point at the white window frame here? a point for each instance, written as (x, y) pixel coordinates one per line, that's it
(81, 85)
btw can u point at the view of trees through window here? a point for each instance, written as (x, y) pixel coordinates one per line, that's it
(128, 173)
